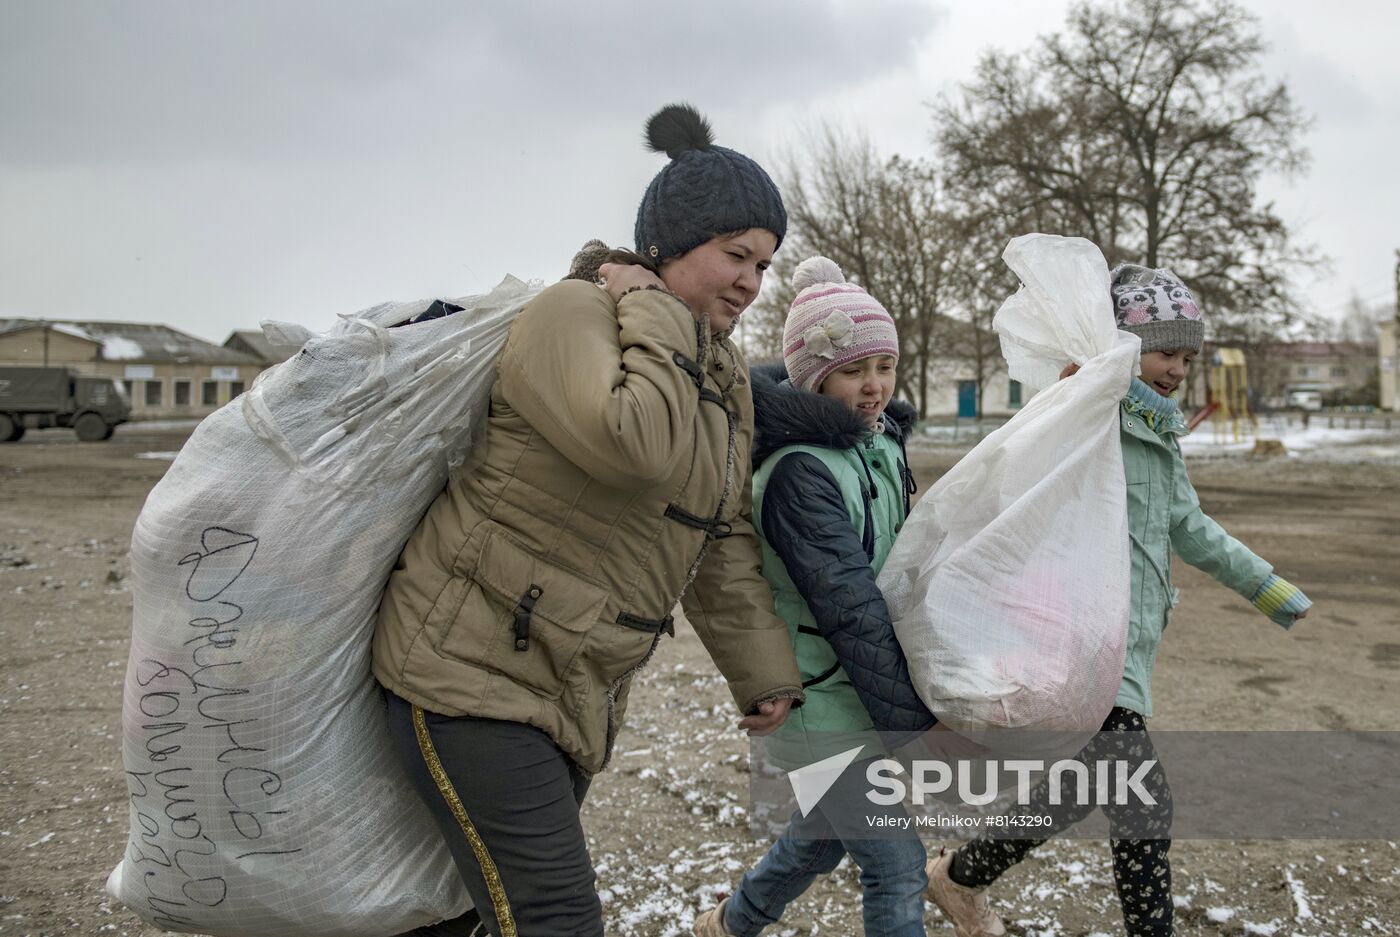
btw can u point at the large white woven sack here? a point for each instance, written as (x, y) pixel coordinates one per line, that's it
(265, 801)
(1009, 583)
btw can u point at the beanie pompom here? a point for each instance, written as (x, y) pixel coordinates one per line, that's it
(677, 128)
(816, 270)
(705, 190)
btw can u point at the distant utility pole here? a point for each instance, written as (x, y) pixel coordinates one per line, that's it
(1390, 366)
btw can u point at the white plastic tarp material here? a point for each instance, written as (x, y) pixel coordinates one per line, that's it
(264, 798)
(1009, 584)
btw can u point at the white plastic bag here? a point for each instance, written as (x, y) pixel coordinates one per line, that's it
(265, 801)
(1009, 584)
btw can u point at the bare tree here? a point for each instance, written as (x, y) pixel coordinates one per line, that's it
(1362, 323)
(760, 329)
(883, 222)
(981, 282)
(920, 239)
(829, 194)
(1146, 128)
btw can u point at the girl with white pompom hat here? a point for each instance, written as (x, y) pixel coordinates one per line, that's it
(833, 323)
(831, 489)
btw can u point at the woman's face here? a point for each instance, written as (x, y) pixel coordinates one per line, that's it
(865, 386)
(722, 276)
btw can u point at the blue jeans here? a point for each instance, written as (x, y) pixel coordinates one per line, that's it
(892, 875)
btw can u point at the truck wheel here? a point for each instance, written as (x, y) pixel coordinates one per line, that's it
(91, 428)
(10, 431)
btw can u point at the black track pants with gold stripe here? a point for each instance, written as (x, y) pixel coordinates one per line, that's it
(507, 801)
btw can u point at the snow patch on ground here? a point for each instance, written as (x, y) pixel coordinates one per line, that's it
(1299, 896)
(1318, 442)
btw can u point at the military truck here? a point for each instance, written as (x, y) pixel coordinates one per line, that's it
(37, 398)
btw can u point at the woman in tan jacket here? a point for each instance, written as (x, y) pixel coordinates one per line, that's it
(615, 481)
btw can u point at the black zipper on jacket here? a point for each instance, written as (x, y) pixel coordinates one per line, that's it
(908, 476)
(874, 493)
(867, 534)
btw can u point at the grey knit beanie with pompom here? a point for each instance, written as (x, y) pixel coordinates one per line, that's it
(704, 191)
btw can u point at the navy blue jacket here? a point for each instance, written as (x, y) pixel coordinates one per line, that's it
(807, 524)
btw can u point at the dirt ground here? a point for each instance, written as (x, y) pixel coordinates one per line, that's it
(667, 824)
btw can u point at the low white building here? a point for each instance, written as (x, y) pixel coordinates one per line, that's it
(167, 373)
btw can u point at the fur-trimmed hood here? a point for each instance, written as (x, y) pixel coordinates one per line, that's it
(786, 416)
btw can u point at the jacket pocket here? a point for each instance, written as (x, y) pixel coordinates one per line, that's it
(523, 617)
(613, 648)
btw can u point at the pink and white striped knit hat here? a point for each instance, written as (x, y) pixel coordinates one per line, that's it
(831, 323)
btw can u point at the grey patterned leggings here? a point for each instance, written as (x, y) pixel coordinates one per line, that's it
(1138, 834)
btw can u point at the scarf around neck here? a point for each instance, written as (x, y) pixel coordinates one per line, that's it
(1160, 413)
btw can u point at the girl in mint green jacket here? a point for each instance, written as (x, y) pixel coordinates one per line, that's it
(1164, 516)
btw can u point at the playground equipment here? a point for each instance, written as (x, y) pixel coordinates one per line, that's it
(1201, 415)
(1231, 419)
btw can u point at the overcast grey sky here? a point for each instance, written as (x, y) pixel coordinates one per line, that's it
(210, 164)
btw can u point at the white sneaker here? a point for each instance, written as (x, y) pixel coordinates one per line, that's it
(967, 908)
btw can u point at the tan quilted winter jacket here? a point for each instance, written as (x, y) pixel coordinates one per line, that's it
(543, 577)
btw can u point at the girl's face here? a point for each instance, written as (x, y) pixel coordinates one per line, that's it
(865, 386)
(1164, 371)
(722, 276)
